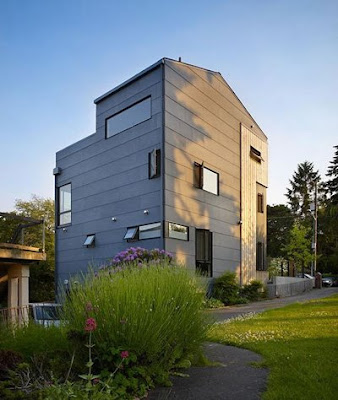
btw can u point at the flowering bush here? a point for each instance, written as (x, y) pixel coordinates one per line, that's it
(138, 256)
(150, 318)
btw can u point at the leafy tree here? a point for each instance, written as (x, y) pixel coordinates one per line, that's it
(298, 249)
(301, 192)
(41, 274)
(280, 223)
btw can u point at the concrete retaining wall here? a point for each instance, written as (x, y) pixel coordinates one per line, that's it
(284, 286)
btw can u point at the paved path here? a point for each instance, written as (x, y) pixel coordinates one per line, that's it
(235, 379)
(222, 314)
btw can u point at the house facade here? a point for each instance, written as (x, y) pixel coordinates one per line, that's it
(176, 163)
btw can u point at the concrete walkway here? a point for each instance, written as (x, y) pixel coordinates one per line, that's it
(235, 379)
(222, 314)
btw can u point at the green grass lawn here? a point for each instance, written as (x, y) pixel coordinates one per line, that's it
(299, 345)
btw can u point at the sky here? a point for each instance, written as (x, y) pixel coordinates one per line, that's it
(56, 57)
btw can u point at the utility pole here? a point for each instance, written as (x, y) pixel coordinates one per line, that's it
(314, 209)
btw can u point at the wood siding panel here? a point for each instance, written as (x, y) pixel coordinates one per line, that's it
(252, 172)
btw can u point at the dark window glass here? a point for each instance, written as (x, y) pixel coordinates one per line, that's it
(150, 231)
(65, 204)
(176, 231)
(260, 203)
(198, 175)
(203, 243)
(255, 154)
(129, 117)
(154, 163)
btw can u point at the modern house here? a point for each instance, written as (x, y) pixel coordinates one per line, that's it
(177, 163)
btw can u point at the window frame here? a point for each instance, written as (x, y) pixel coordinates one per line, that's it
(260, 203)
(157, 163)
(167, 231)
(256, 154)
(92, 236)
(151, 223)
(135, 236)
(123, 110)
(59, 213)
(199, 177)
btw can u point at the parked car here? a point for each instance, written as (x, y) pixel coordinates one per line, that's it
(327, 281)
(45, 314)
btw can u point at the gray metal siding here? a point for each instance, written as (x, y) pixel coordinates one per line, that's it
(202, 124)
(109, 178)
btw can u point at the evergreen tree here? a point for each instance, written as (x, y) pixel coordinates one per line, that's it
(280, 222)
(332, 183)
(301, 192)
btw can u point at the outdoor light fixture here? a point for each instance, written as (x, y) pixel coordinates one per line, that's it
(64, 229)
(146, 212)
(114, 219)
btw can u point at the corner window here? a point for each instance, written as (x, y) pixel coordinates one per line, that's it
(65, 204)
(90, 241)
(129, 117)
(206, 179)
(176, 231)
(150, 231)
(255, 154)
(260, 203)
(154, 163)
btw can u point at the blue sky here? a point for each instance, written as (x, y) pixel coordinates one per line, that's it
(56, 57)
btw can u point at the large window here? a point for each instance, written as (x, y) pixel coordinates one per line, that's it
(65, 204)
(149, 231)
(129, 117)
(206, 179)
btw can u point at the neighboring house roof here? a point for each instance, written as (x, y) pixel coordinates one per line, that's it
(156, 65)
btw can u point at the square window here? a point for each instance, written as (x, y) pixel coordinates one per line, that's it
(206, 179)
(90, 241)
(131, 233)
(256, 154)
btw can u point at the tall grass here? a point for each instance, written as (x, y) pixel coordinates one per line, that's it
(154, 312)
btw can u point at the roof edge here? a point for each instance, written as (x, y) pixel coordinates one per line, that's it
(130, 80)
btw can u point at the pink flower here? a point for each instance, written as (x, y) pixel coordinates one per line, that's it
(90, 325)
(89, 307)
(124, 354)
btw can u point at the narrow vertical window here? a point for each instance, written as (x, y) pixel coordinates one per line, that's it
(198, 176)
(260, 203)
(65, 204)
(154, 163)
(260, 256)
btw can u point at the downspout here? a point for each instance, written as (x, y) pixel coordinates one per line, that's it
(163, 156)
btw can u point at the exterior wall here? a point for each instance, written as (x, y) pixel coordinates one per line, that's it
(202, 124)
(109, 178)
(253, 173)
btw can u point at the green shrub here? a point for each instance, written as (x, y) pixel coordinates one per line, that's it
(253, 291)
(226, 289)
(154, 312)
(212, 303)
